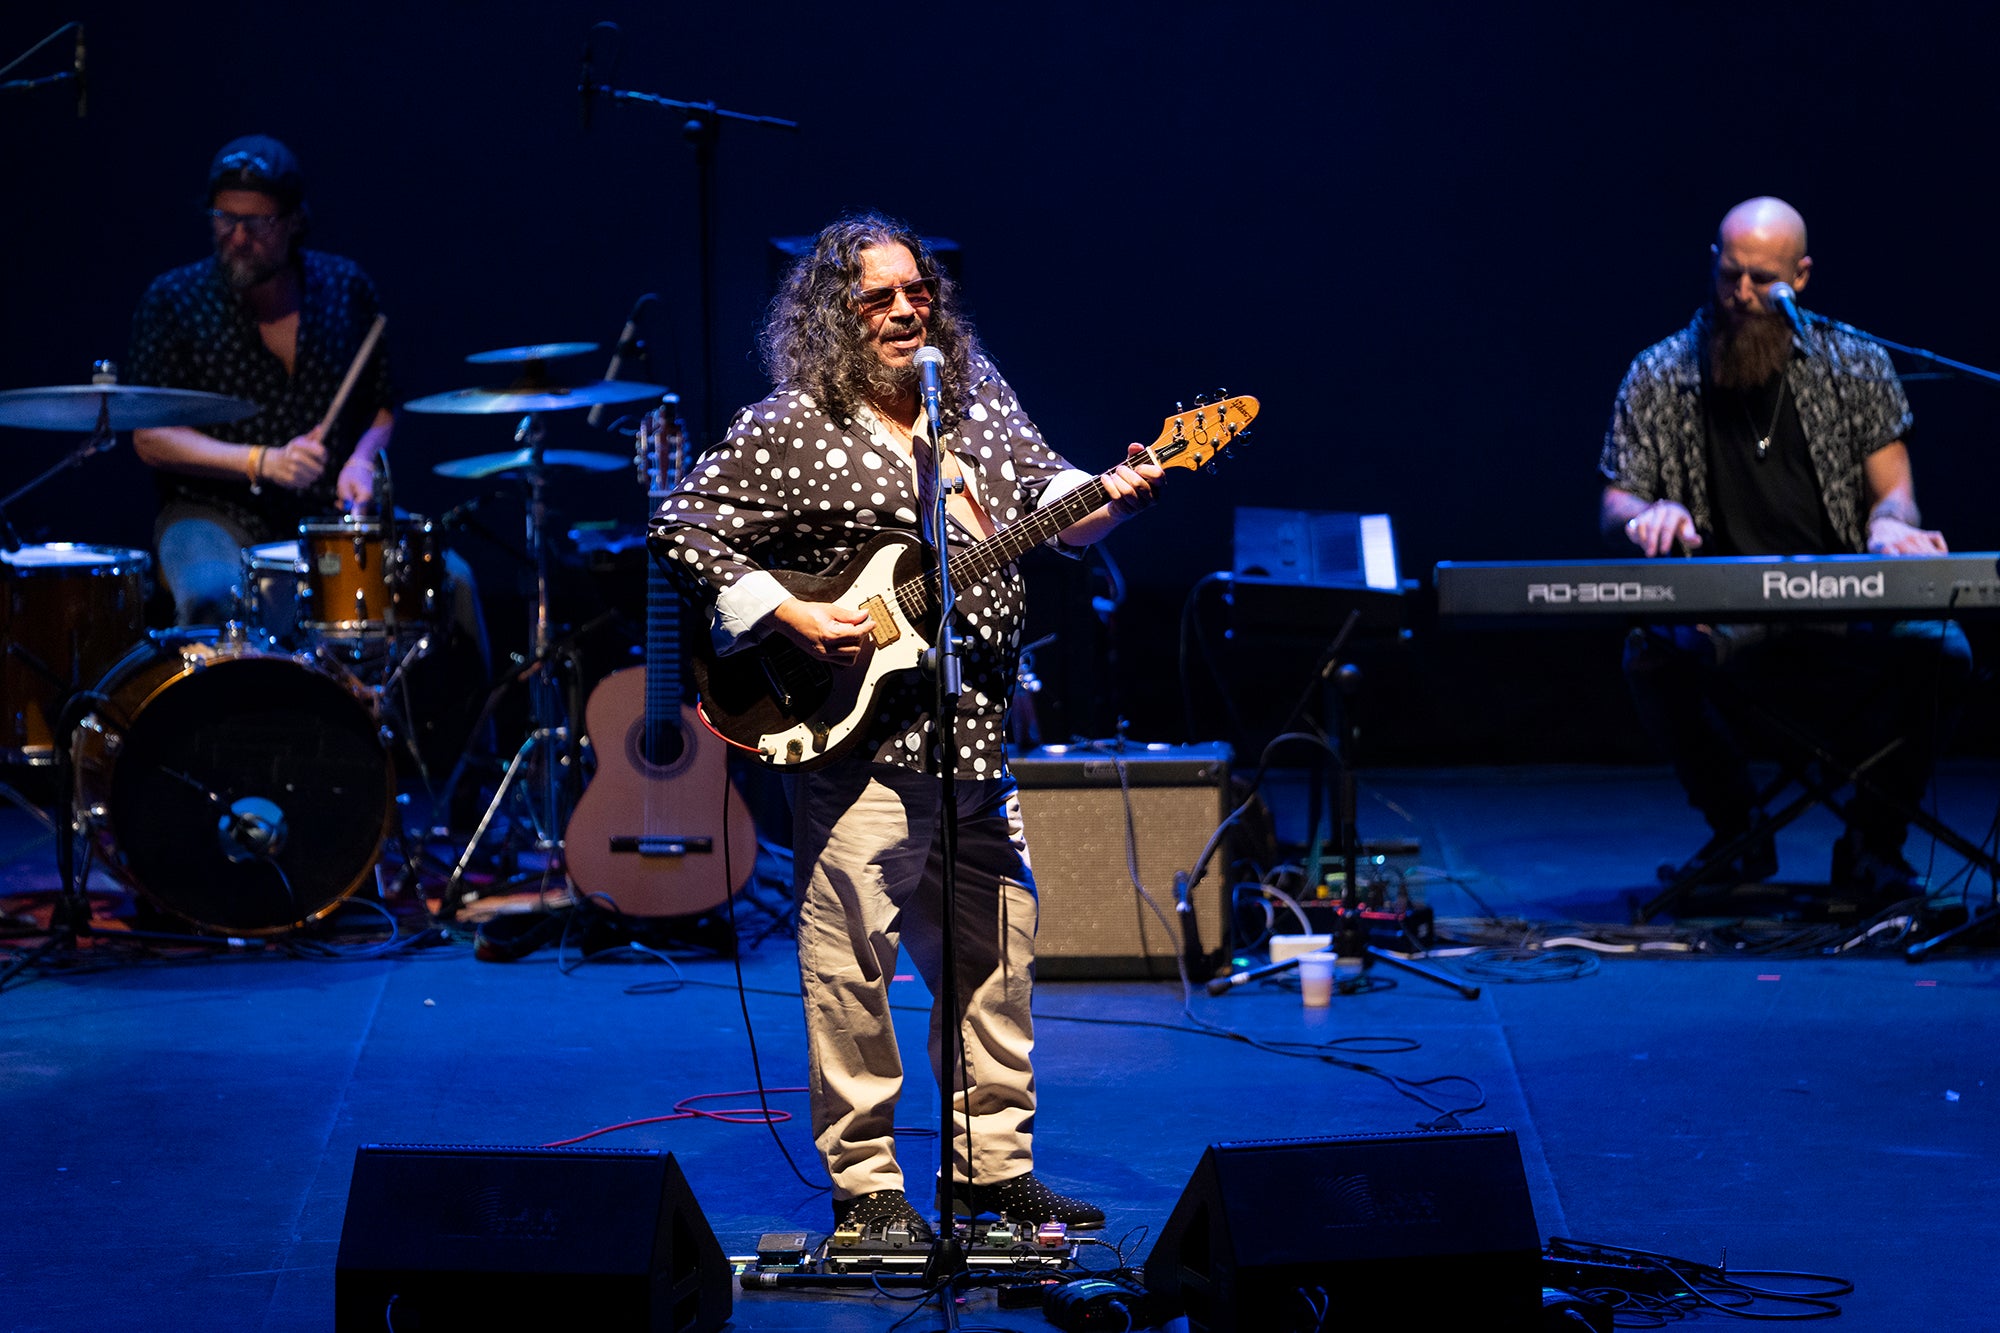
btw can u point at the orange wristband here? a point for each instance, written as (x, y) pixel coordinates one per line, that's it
(255, 467)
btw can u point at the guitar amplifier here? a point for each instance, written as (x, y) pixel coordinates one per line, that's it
(1093, 923)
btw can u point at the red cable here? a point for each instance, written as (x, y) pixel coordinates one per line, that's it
(748, 749)
(685, 1109)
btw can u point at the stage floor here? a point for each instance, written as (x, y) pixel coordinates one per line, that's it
(181, 1136)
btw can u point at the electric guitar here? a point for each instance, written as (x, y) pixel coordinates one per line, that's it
(647, 831)
(798, 713)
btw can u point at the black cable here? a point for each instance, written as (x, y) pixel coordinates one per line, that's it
(743, 997)
(1190, 617)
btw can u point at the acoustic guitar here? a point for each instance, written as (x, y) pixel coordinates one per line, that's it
(647, 832)
(798, 713)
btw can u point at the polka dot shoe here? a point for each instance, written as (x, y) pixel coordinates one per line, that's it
(1025, 1199)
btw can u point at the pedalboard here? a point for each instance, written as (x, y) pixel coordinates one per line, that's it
(858, 1252)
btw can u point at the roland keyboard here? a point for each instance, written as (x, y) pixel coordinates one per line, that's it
(1830, 587)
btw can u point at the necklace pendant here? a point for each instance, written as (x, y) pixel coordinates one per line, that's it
(1763, 446)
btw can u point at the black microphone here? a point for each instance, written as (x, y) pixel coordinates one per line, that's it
(82, 81)
(1786, 302)
(586, 88)
(628, 341)
(930, 373)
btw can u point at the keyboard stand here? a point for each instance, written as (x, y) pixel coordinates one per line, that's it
(1821, 775)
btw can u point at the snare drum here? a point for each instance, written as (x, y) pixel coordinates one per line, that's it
(272, 587)
(356, 588)
(245, 791)
(68, 612)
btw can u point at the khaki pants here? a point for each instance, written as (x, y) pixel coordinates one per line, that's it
(868, 877)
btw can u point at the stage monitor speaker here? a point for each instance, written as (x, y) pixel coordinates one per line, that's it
(452, 1237)
(1429, 1229)
(1093, 923)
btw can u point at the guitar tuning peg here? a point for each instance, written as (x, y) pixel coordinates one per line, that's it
(1222, 395)
(1201, 400)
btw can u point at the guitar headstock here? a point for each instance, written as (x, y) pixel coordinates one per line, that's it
(660, 449)
(1191, 438)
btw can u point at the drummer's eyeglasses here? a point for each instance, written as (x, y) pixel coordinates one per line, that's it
(259, 225)
(919, 292)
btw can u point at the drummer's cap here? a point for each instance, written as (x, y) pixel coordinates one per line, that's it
(258, 162)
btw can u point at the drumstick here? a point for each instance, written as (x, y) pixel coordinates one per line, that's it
(353, 373)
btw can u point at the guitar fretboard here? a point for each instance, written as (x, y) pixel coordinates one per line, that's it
(918, 596)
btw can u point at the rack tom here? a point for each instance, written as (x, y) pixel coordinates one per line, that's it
(361, 584)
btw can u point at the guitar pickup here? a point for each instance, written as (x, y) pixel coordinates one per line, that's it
(880, 623)
(649, 845)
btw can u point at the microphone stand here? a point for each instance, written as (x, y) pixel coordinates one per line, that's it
(1931, 358)
(701, 127)
(1988, 914)
(943, 660)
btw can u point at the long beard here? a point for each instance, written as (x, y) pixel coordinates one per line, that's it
(1749, 352)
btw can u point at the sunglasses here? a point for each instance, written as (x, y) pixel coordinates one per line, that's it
(873, 300)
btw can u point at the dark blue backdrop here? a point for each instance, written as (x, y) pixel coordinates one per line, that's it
(1428, 239)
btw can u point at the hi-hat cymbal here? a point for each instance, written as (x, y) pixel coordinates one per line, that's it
(75, 407)
(480, 466)
(506, 356)
(535, 398)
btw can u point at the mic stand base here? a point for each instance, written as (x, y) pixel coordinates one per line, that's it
(1411, 965)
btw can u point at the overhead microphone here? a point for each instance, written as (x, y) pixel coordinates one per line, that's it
(82, 81)
(1786, 302)
(630, 342)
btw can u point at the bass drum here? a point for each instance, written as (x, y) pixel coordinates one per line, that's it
(247, 792)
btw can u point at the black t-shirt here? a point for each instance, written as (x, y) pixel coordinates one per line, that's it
(1767, 503)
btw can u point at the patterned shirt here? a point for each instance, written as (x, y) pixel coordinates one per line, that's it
(192, 331)
(790, 487)
(1850, 404)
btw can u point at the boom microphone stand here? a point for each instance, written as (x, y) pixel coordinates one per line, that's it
(701, 128)
(1990, 913)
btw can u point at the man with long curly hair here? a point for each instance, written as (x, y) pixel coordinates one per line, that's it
(804, 479)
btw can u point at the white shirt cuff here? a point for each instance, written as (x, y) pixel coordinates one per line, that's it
(741, 610)
(1060, 485)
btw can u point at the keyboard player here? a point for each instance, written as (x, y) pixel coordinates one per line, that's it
(1738, 436)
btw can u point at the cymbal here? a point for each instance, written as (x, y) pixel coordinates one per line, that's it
(507, 356)
(535, 398)
(479, 466)
(75, 407)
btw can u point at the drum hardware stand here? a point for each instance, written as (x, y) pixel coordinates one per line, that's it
(548, 787)
(98, 441)
(70, 915)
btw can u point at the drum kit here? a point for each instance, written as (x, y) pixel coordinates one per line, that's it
(241, 777)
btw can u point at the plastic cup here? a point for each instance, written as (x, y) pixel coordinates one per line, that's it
(1316, 980)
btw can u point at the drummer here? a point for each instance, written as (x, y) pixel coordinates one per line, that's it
(267, 320)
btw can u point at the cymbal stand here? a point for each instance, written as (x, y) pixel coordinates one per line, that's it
(547, 765)
(98, 441)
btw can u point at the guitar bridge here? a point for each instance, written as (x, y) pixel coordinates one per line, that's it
(647, 845)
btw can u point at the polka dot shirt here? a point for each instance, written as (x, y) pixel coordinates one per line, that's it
(791, 487)
(191, 331)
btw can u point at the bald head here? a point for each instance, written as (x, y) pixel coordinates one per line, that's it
(1767, 222)
(1760, 241)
